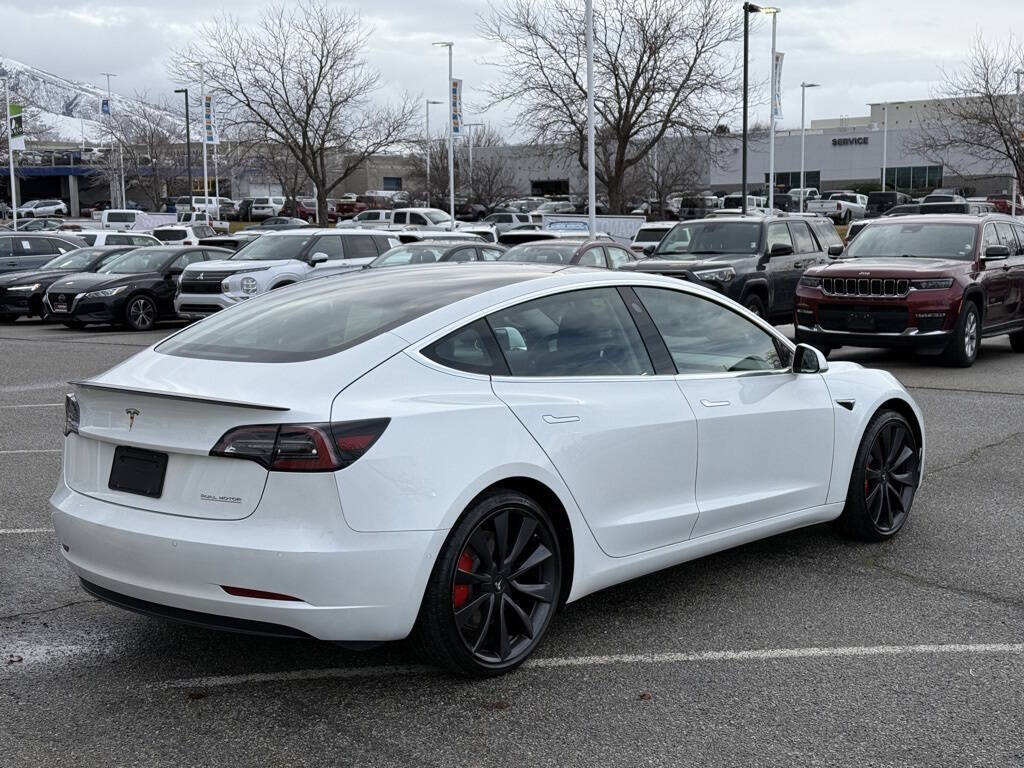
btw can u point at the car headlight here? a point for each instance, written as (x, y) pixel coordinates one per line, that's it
(810, 282)
(106, 292)
(25, 288)
(932, 285)
(722, 275)
(249, 285)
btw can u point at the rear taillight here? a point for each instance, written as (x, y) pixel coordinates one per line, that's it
(301, 447)
(839, 206)
(72, 414)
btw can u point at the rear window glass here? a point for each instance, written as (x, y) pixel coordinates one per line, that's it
(121, 216)
(327, 316)
(169, 235)
(650, 235)
(546, 252)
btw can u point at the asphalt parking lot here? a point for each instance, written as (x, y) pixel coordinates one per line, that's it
(800, 650)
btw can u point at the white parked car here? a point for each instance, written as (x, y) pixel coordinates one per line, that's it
(503, 222)
(274, 260)
(129, 218)
(115, 237)
(36, 208)
(375, 219)
(466, 448)
(183, 234)
(420, 218)
(649, 235)
(841, 207)
(265, 207)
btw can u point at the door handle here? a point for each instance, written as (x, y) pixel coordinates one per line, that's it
(714, 403)
(559, 419)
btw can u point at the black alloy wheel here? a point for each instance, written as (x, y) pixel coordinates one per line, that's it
(885, 477)
(963, 346)
(755, 305)
(495, 587)
(140, 313)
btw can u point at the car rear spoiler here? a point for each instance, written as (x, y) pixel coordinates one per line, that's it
(176, 396)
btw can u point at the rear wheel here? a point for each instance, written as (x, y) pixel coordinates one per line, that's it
(755, 304)
(140, 313)
(494, 587)
(1017, 341)
(963, 347)
(886, 473)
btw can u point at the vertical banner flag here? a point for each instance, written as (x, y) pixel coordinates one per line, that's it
(456, 105)
(105, 107)
(777, 76)
(209, 122)
(17, 127)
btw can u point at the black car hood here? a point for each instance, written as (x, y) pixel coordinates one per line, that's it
(29, 276)
(654, 264)
(80, 282)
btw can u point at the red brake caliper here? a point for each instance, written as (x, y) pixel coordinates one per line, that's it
(460, 594)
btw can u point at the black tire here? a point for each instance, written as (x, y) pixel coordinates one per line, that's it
(8, 318)
(1017, 341)
(755, 304)
(885, 477)
(140, 313)
(282, 285)
(962, 349)
(477, 571)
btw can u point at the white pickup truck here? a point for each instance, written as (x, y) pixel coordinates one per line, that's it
(842, 207)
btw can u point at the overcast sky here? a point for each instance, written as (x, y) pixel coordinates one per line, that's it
(859, 50)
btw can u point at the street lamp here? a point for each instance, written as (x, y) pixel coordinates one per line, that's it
(120, 148)
(774, 13)
(748, 8)
(451, 137)
(1017, 136)
(591, 157)
(426, 112)
(188, 140)
(803, 105)
(885, 141)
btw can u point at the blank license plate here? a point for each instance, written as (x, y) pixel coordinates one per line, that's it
(135, 470)
(860, 321)
(59, 306)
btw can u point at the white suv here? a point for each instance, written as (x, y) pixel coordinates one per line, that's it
(34, 208)
(100, 237)
(375, 219)
(274, 260)
(265, 207)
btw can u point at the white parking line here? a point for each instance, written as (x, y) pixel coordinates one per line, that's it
(34, 450)
(20, 531)
(35, 405)
(769, 654)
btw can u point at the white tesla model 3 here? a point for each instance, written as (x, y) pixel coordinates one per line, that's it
(461, 450)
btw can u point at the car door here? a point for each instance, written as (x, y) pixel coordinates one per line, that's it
(165, 290)
(334, 247)
(995, 279)
(765, 434)
(808, 252)
(1013, 267)
(781, 272)
(621, 437)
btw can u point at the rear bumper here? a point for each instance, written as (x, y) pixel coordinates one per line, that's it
(357, 587)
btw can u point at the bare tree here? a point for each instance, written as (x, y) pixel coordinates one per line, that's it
(660, 67)
(491, 177)
(972, 118)
(298, 75)
(676, 164)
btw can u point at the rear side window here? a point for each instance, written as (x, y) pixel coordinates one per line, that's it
(802, 238)
(140, 240)
(119, 240)
(359, 247)
(89, 238)
(38, 246)
(471, 349)
(399, 218)
(578, 333)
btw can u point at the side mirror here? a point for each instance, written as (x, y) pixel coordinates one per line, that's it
(835, 250)
(318, 258)
(649, 249)
(173, 273)
(996, 253)
(807, 359)
(780, 249)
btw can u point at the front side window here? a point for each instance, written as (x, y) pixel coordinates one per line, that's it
(119, 240)
(704, 337)
(618, 257)
(332, 246)
(778, 234)
(187, 258)
(415, 218)
(399, 217)
(579, 333)
(76, 260)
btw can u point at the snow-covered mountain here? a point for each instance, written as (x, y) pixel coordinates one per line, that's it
(59, 109)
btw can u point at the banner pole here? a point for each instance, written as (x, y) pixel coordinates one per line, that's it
(10, 154)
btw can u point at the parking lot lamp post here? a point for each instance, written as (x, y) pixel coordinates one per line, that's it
(426, 111)
(120, 148)
(188, 138)
(451, 137)
(774, 13)
(885, 140)
(803, 131)
(10, 154)
(206, 173)
(748, 8)
(591, 154)
(1017, 134)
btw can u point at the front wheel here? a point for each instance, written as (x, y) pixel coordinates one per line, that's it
(140, 314)
(755, 305)
(886, 473)
(494, 588)
(963, 347)
(1017, 341)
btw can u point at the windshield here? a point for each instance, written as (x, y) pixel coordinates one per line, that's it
(544, 252)
(915, 240)
(411, 254)
(272, 248)
(327, 316)
(141, 260)
(169, 235)
(79, 259)
(650, 235)
(710, 237)
(436, 217)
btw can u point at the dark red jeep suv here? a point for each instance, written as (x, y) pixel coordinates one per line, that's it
(935, 283)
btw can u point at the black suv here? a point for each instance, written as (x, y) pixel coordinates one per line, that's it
(756, 261)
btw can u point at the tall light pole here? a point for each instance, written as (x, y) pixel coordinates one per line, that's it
(188, 139)
(1015, 130)
(206, 174)
(591, 154)
(469, 141)
(426, 114)
(885, 140)
(120, 149)
(451, 137)
(10, 154)
(748, 8)
(774, 13)
(803, 131)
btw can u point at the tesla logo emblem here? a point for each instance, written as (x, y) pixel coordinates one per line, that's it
(131, 413)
